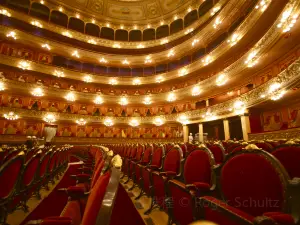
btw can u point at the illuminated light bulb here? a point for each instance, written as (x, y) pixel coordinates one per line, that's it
(262, 5)
(113, 81)
(60, 9)
(87, 79)
(12, 35)
(239, 107)
(37, 24)
(59, 73)
(234, 39)
(189, 30)
(217, 23)
(274, 87)
(98, 100)
(252, 60)
(2, 87)
(108, 122)
(171, 53)
(125, 62)
(92, 41)
(46, 46)
(158, 121)
(24, 65)
(175, 17)
(147, 100)
(277, 95)
(70, 97)
(215, 10)
(182, 72)
(189, 9)
(11, 116)
(67, 34)
(164, 41)
(195, 41)
(49, 118)
(196, 91)
(207, 60)
(161, 23)
(209, 116)
(108, 25)
(136, 81)
(123, 101)
(38, 92)
(116, 45)
(122, 27)
(5, 12)
(135, 27)
(148, 60)
(76, 54)
(221, 80)
(77, 15)
(93, 21)
(81, 122)
(140, 46)
(42, 2)
(103, 60)
(148, 26)
(183, 119)
(159, 79)
(171, 97)
(134, 123)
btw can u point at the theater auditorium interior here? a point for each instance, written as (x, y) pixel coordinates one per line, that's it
(149, 112)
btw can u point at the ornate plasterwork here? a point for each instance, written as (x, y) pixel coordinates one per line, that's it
(288, 79)
(276, 135)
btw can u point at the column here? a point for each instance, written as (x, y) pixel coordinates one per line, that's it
(185, 133)
(226, 129)
(201, 137)
(245, 126)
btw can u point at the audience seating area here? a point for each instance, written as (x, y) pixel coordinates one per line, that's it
(227, 183)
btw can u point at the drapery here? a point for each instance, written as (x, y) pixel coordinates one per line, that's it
(49, 132)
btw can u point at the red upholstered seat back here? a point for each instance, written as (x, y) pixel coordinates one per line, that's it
(250, 182)
(289, 157)
(264, 146)
(218, 153)
(147, 154)
(172, 161)
(197, 167)
(44, 164)
(30, 169)
(133, 152)
(29, 155)
(95, 199)
(97, 173)
(9, 176)
(238, 148)
(11, 154)
(184, 149)
(139, 153)
(157, 157)
(52, 162)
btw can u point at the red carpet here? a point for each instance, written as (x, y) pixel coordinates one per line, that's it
(56, 200)
(124, 212)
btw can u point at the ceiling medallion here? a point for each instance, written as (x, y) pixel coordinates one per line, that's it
(108, 122)
(81, 122)
(134, 123)
(49, 118)
(11, 116)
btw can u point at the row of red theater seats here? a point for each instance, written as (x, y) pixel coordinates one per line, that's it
(23, 173)
(246, 186)
(97, 181)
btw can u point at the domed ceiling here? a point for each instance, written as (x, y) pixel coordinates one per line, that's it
(127, 10)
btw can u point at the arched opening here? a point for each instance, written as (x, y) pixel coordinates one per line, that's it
(76, 24)
(190, 18)
(107, 33)
(59, 18)
(92, 29)
(121, 35)
(39, 11)
(149, 34)
(162, 32)
(176, 26)
(135, 35)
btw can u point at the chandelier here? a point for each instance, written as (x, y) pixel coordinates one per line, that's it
(2, 87)
(196, 91)
(113, 81)
(87, 79)
(24, 65)
(136, 81)
(158, 121)
(59, 73)
(38, 92)
(159, 79)
(134, 123)
(108, 122)
(171, 97)
(147, 100)
(70, 97)
(12, 35)
(221, 80)
(183, 119)
(49, 118)
(239, 107)
(98, 100)
(11, 116)
(81, 122)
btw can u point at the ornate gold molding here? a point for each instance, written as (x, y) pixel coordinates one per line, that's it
(276, 135)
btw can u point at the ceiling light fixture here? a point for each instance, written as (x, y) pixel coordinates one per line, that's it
(125, 62)
(252, 59)
(147, 100)
(98, 100)
(123, 101)
(215, 10)
(93, 21)
(60, 9)
(24, 65)
(108, 25)
(77, 15)
(49, 118)
(88, 79)
(182, 72)
(37, 24)
(134, 123)
(262, 5)
(59, 73)
(2, 87)
(196, 91)
(42, 2)
(148, 60)
(207, 60)
(164, 41)
(158, 121)
(92, 41)
(217, 23)
(37, 92)
(11, 116)
(140, 46)
(12, 35)
(183, 119)
(195, 41)
(171, 97)
(221, 80)
(189, 30)
(136, 81)
(116, 45)
(5, 12)
(70, 97)
(233, 39)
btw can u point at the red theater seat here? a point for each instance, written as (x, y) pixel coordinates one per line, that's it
(219, 153)
(255, 190)
(135, 173)
(199, 180)
(171, 169)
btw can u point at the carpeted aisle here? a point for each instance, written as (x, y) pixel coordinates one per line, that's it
(124, 212)
(55, 202)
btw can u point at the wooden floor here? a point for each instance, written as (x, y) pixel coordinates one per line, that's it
(156, 217)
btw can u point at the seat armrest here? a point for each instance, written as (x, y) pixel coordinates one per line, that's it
(169, 174)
